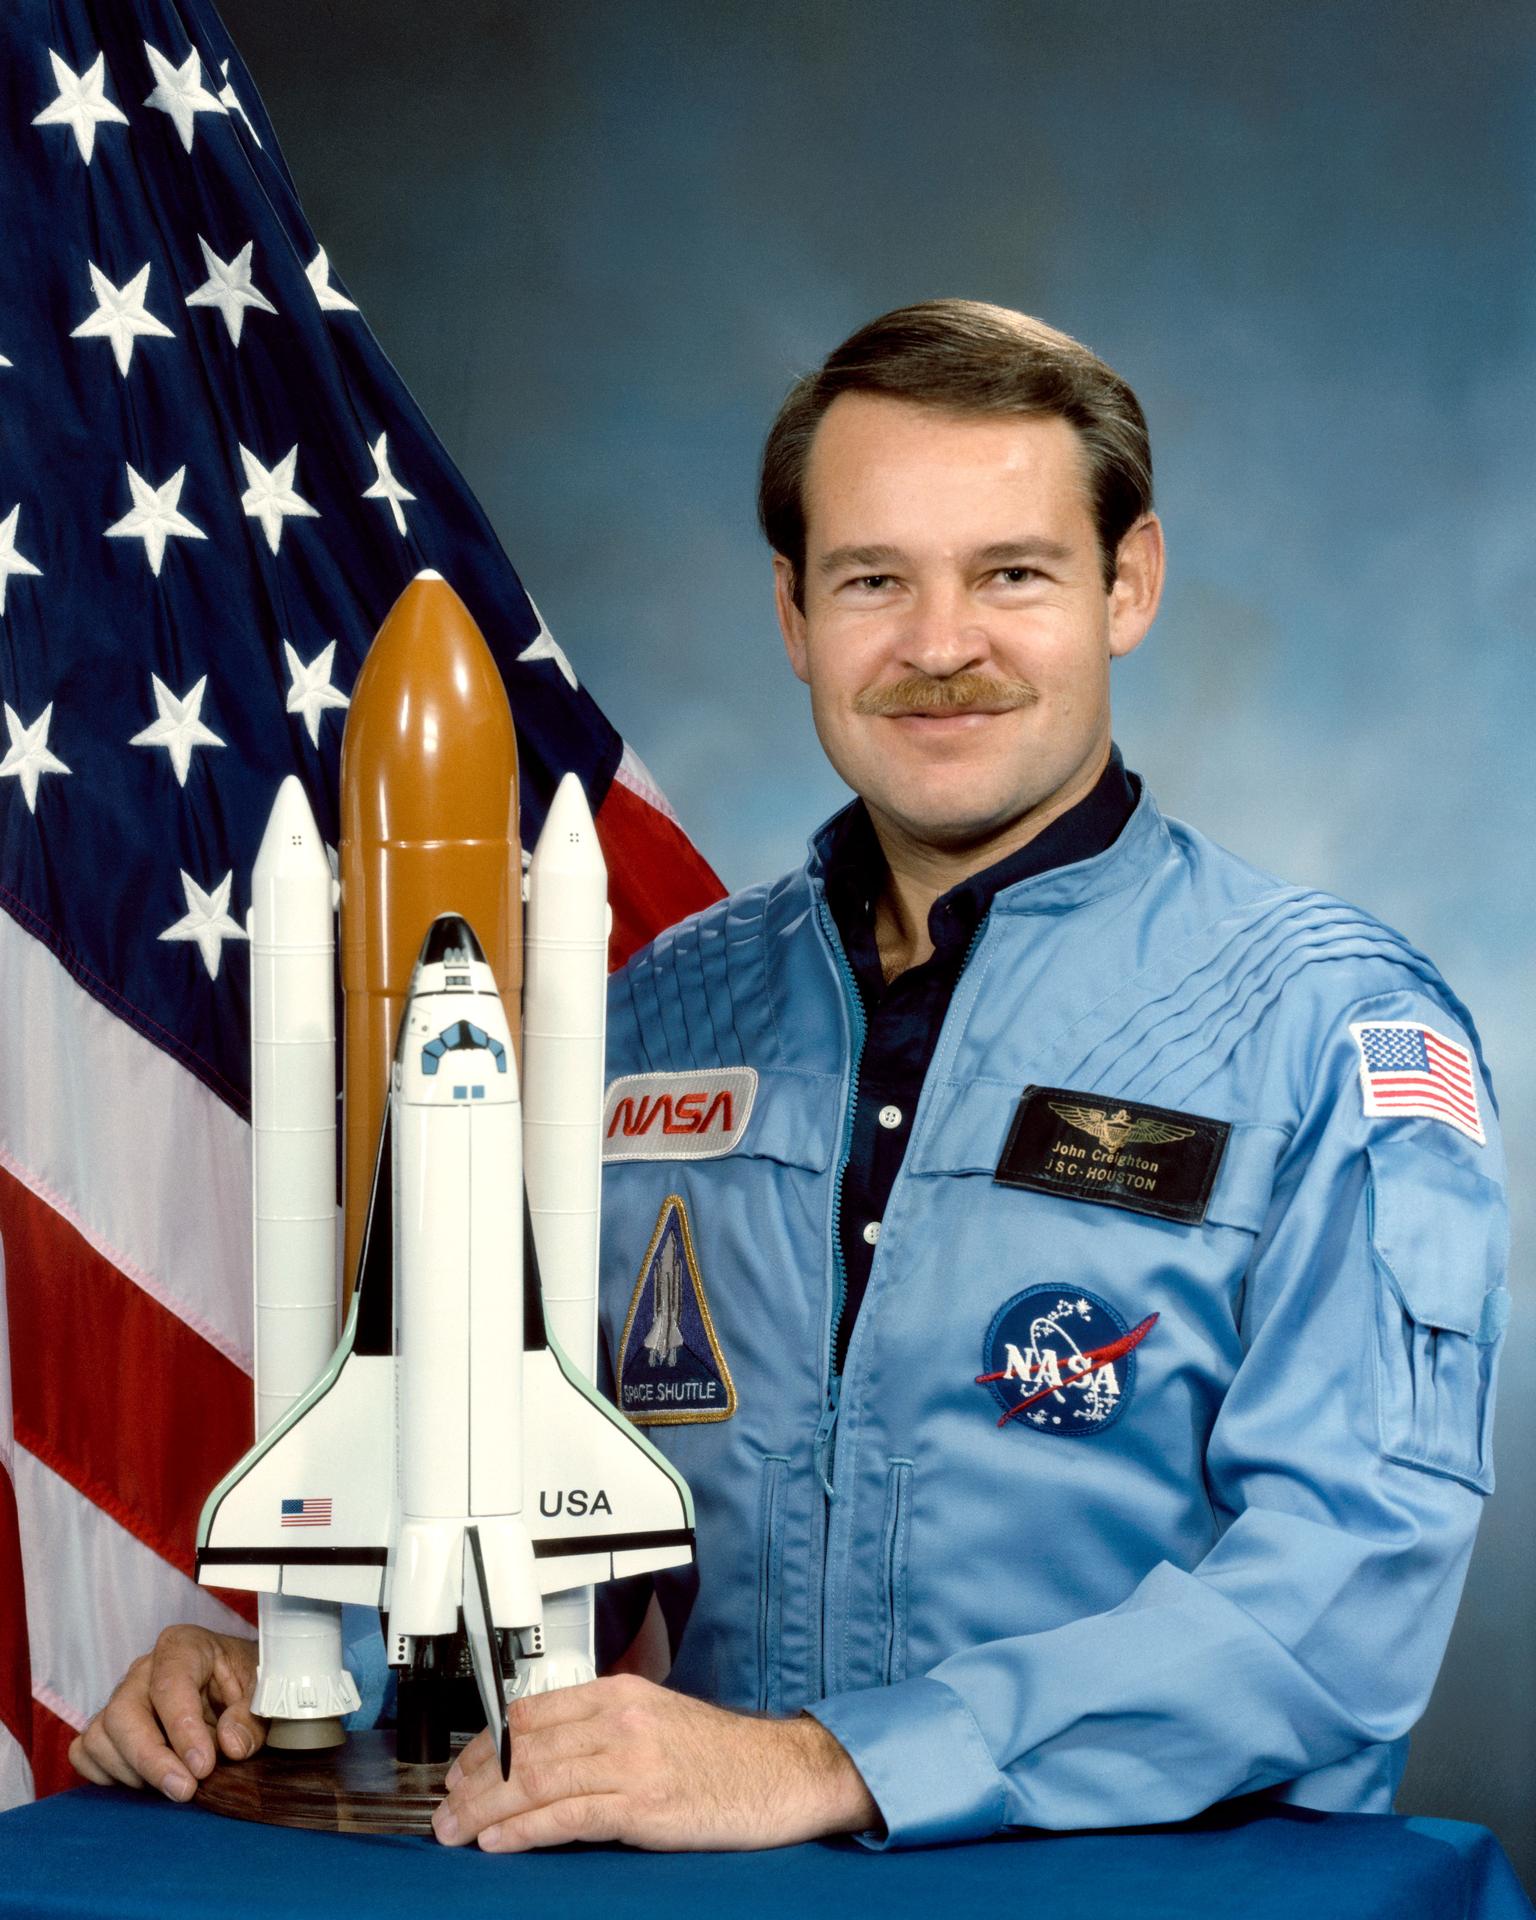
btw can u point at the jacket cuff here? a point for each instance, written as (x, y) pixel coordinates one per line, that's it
(923, 1759)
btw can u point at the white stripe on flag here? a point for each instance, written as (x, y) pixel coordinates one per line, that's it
(93, 1117)
(15, 1774)
(96, 1596)
(7, 1406)
(632, 772)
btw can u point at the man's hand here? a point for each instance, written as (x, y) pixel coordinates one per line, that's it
(623, 1759)
(160, 1727)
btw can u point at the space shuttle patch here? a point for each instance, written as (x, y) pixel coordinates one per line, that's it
(671, 1370)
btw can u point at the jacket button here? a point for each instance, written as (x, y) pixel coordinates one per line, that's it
(890, 1116)
(872, 1233)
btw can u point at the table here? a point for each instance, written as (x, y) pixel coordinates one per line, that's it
(114, 1855)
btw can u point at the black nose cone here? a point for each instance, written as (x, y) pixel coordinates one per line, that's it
(450, 939)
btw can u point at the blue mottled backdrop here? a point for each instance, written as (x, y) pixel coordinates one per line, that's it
(598, 239)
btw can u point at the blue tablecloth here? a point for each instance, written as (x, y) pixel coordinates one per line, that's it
(114, 1855)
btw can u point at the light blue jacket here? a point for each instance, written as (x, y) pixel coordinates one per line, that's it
(1232, 1567)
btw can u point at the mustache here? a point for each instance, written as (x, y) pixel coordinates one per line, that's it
(956, 693)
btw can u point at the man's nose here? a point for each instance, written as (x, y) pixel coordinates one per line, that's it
(944, 633)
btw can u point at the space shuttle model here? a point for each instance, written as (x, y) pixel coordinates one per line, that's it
(448, 1461)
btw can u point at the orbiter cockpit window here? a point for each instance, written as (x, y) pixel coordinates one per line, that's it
(463, 1034)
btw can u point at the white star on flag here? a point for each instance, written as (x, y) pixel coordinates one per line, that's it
(10, 560)
(318, 274)
(120, 315)
(312, 692)
(82, 104)
(270, 497)
(206, 920)
(545, 647)
(387, 487)
(154, 516)
(230, 101)
(27, 758)
(179, 727)
(229, 288)
(179, 91)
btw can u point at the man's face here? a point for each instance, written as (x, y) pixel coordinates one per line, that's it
(956, 633)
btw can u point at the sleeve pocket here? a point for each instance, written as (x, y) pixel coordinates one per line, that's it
(1438, 1234)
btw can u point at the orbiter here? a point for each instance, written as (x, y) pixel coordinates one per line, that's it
(452, 1464)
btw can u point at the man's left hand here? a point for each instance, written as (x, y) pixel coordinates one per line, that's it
(624, 1759)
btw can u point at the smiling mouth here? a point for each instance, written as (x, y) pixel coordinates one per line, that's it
(947, 713)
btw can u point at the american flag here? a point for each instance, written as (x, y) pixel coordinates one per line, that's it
(212, 487)
(307, 1512)
(1407, 1068)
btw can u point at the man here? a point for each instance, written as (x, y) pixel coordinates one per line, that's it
(1067, 1267)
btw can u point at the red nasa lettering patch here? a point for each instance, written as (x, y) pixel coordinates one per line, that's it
(678, 1116)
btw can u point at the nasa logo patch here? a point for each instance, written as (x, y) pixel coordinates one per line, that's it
(1060, 1362)
(671, 1370)
(678, 1116)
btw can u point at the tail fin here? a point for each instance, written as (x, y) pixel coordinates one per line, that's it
(484, 1651)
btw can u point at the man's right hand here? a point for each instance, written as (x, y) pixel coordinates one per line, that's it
(160, 1727)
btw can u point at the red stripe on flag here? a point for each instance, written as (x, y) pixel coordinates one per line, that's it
(656, 876)
(1435, 1092)
(51, 1771)
(1424, 1090)
(1449, 1061)
(15, 1655)
(119, 1397)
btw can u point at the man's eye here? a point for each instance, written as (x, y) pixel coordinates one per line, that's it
(873, 582)
(1017, 576)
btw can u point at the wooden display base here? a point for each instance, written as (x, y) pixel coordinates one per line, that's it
(357, 1788)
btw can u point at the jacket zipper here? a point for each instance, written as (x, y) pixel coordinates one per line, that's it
(825, 1444)
(825, 1439)
(855, 1001)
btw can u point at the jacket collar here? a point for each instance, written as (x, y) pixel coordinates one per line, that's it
(1143, 844)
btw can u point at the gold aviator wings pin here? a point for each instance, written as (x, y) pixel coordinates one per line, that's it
(1115, 1131)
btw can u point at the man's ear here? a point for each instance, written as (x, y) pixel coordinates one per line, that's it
(1138, 587)
(791, 619)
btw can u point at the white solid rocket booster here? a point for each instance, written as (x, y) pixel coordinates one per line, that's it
(302, 1685)
(565, 996)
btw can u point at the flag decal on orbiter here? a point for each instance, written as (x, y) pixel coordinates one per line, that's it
(671, 1369)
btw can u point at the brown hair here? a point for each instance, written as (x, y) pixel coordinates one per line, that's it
(967, 357)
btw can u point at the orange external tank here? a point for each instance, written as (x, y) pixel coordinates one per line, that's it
(428, 826)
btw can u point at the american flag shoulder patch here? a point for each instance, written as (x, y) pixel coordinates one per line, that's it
(308, 1512)
(1408, 1068)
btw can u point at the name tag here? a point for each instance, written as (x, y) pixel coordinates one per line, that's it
(1118, 1153)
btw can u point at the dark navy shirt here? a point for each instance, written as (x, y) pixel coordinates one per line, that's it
(903, 1018)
